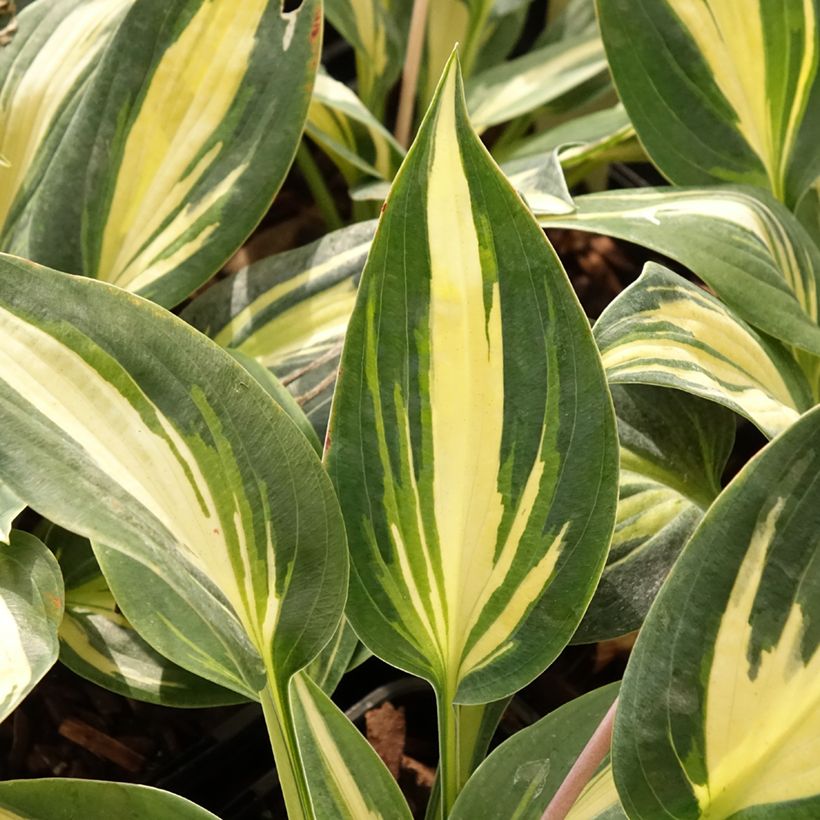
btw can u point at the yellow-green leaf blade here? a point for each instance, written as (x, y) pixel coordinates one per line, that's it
(456, 411)
(719, 705)
(98, 643)
(289, 312)
(529, 767)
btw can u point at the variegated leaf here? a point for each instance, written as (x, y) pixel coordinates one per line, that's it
(540, 77)
(528, 768)
(122, 424)
(354, 784)
(63, 798)
(718, 715)
(342, 653)
(721, 90)
(745, 245)
(280, 394)
(132, 128)
(377, 30)
(458, 442)
(484, 30)
(341, 124)
(10, 507)
(666, 331)
(99, 644)
(599, 800)
(290, 312)
(31, 606)
(674, 448)
(582, 144)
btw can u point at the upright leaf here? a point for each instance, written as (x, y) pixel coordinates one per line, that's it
(351, 135)
(720, 704)
(472, 441)
(674, 448)
(355, 783)
(132, 129)
(377, 30)
(721, 90)
(666, 331)
(31, 606)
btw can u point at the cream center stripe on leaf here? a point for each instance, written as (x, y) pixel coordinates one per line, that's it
(749, 711)
(190, 93)
(159, 471)
(467, 416)
(30, 102)
(730, 35)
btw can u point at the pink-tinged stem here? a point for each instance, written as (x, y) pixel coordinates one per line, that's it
(410, 76)
(583, 769)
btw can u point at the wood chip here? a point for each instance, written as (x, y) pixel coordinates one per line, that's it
(423, 775)
(387, 731)
(102, 745)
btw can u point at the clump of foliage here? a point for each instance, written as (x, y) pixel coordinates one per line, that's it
(497, 479)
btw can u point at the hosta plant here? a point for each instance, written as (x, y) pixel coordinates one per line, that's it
(405, 439)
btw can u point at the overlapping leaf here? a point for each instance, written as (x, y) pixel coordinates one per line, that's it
(721, 90)
(674, 448)
(377, 30)
(743, 244)
(354, 783)
(663, 330)
(472, 441)
(528, 768)
(31, 606)
(540, 77)
(718, 715)
(10, 507)
(124, 425)
(484, 30)
(131, 129)
(340, 123)
(98, 643)
(61, 798)
(289, 312)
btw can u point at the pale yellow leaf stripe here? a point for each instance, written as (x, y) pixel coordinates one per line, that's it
(466, 383)
(748, 375)
(192, 89)
(336, 766)
(598, 796)
(762, 726)
(731, 37)
(30, 103)
(15, 670)
(306, 324)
